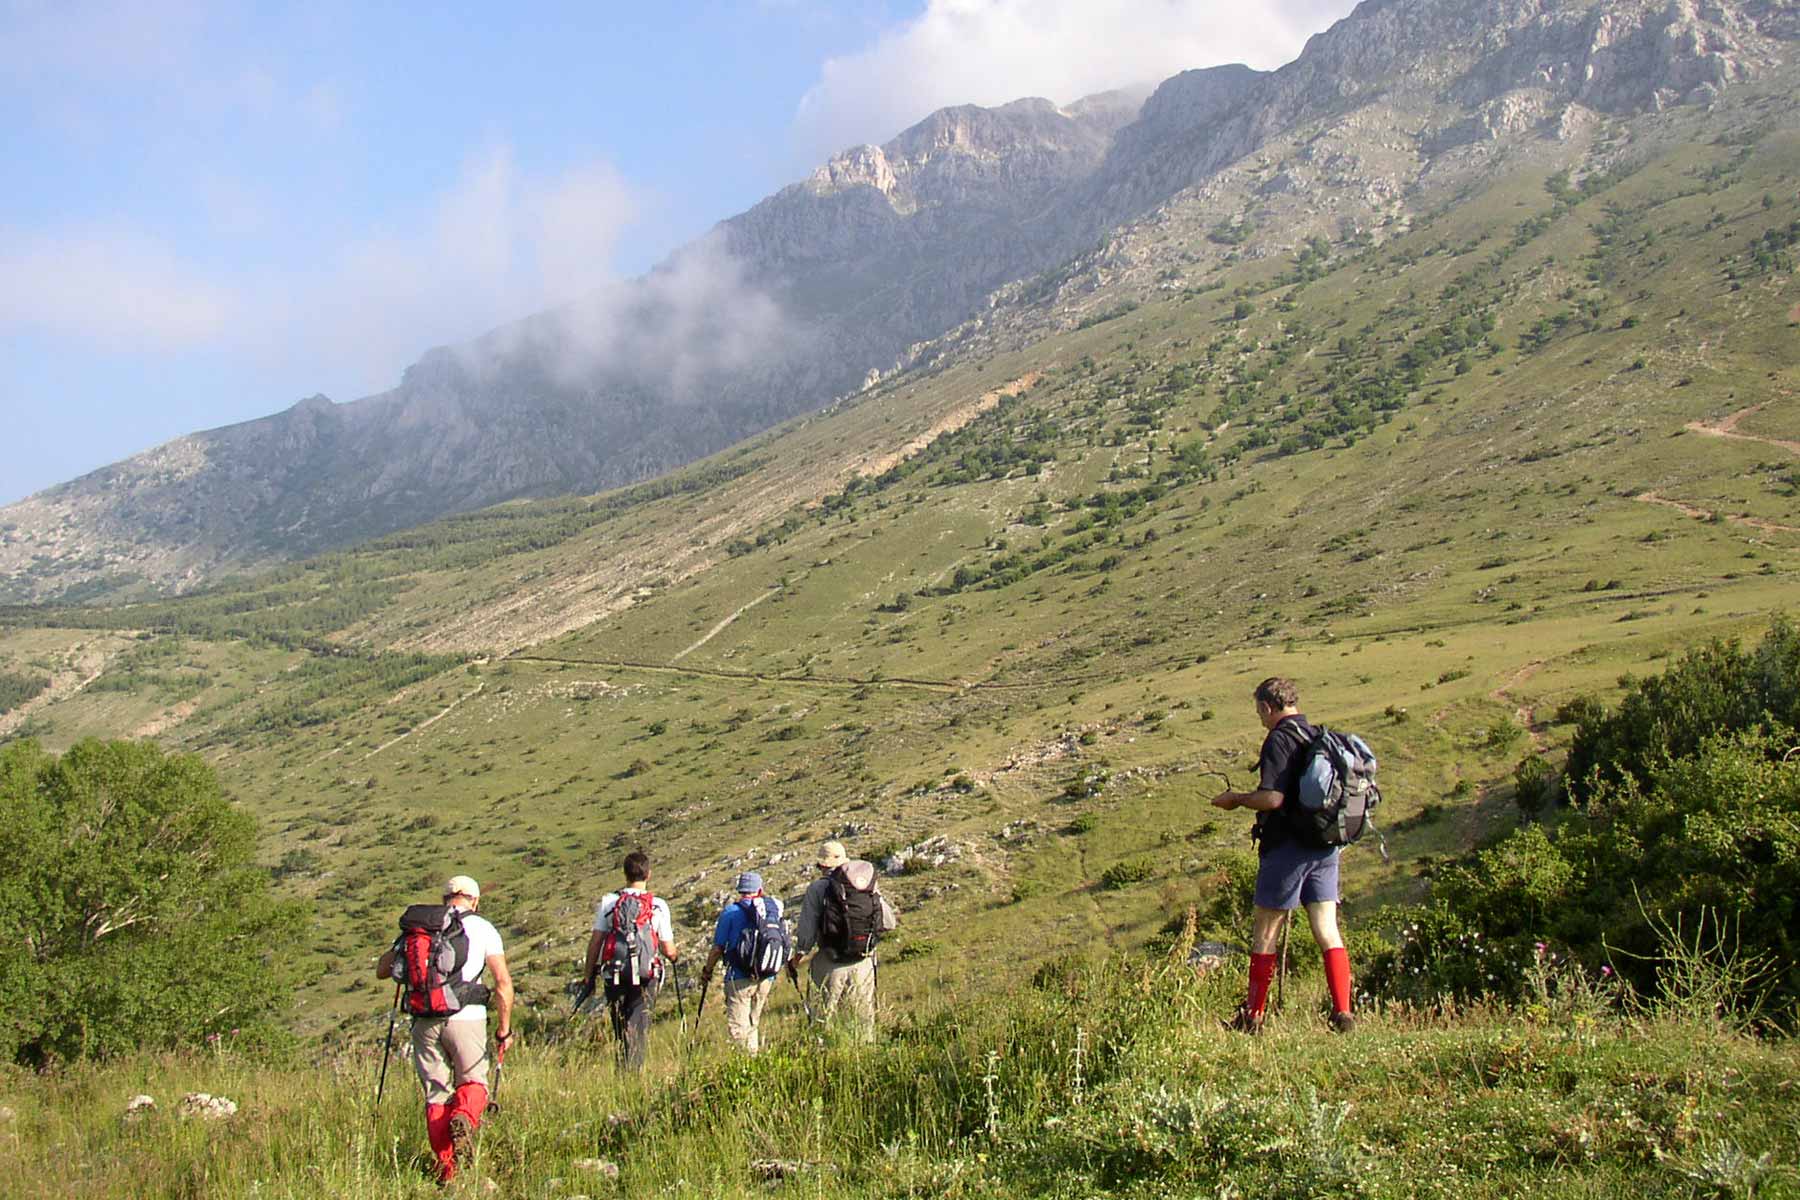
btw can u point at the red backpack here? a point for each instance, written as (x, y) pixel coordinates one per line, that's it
(430, 953)
(628, 955)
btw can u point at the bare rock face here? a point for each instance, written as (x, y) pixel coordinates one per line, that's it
(990, 216)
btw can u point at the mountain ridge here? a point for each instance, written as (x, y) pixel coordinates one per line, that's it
(887, 258)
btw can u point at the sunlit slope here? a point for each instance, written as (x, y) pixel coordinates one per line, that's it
(1446, 482)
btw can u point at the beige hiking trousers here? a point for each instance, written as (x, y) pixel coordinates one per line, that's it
(448, 1054)
(846, 986)
(744, 1003)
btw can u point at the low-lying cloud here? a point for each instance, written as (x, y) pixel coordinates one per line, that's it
(992, 51)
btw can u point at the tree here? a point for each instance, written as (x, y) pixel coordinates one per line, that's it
(132, 911)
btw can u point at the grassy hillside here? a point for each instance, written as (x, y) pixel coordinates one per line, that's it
(1109, 1081)
(1017, 601)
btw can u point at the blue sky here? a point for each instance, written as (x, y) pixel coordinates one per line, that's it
(214, 209)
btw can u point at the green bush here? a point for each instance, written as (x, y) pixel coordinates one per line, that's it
(1124, 874)
(1701, 834)
(1711, 688)
(132, 911)
(1536, 785)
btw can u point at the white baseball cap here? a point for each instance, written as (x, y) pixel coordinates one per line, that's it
(462, 885)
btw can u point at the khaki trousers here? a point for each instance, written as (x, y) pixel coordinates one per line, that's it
(448, 1054)
(846, 986)
(744, 1003)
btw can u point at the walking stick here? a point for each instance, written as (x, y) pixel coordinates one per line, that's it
(793, 974)
(705, 982)
(493, 1104)
(387, 1047)
(1287, 922)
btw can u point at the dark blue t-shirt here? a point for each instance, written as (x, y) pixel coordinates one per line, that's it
(1278, 769)
(732, 923)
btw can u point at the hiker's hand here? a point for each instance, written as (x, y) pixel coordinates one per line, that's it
(706, 979)
(1225, 800)
(503, 1040)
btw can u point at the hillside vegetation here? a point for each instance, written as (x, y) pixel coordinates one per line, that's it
(1447, 478)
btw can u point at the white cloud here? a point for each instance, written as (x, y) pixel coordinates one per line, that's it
(117, 289)
(497, 244)
(991, 51)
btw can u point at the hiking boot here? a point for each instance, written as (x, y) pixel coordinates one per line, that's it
(1245, 1021)
(462, 1138)
(1342, 1022)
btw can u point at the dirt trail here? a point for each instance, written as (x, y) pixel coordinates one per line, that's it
(426, 723)
(1727, 428)
(1526, 714)
(1706, 514)
(716, 630)
(950, 423)
(63, 684)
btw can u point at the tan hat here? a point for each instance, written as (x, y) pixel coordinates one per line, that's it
(462, 885)
(831, 854)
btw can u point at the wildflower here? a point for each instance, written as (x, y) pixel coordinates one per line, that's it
(1605, 971)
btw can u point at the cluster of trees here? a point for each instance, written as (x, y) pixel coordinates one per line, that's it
(132, 912)
(1684, 815)
(16, 689)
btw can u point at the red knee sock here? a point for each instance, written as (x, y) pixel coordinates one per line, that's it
(471, 1098)
(437, 1132)
(1262, 971)
(1337, 978)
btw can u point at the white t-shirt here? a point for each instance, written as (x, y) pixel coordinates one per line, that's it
(484, 941)
(660, 923)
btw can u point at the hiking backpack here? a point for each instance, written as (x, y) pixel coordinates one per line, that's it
(431, 952)
(628, 956)
(1337, 789)
(850, 921)
(763, 948)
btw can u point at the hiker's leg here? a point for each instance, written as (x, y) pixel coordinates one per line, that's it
(1323, 917)
(759, 1000)
(825, 998)
(435, 1076)
(859, 998)
(635, 1019)
(465, 1045)
(1265, 937)
(740, 1020)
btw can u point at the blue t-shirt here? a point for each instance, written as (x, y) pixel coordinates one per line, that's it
(732, 923)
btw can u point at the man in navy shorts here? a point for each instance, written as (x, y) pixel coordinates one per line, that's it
(1293, 871)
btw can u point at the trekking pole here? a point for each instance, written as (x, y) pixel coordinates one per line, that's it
(1287, 922)
(793, 974)
(387, 1047)
(493, 1105)
(705, 982)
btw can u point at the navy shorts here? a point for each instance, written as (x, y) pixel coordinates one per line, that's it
(1292, 875)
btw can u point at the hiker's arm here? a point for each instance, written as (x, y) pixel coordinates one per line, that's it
(503, 993)
(670, 950)
(595, 941)
(384, 969)
(1261, 800)
(806, 930)
(890, 920)
(712, 962)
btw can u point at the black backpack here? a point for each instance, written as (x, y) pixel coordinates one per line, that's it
(763, 947)
(430, 954)
(850, 922)
(1337, 792)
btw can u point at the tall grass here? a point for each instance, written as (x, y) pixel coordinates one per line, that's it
(1107, 1079)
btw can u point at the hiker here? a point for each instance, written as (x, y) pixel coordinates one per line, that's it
(1291, 872)
(438, 962)
(841, 917)
(632, 935)
(752, 939)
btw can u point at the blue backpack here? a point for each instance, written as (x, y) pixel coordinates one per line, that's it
(1337, 790)
(763, 947)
